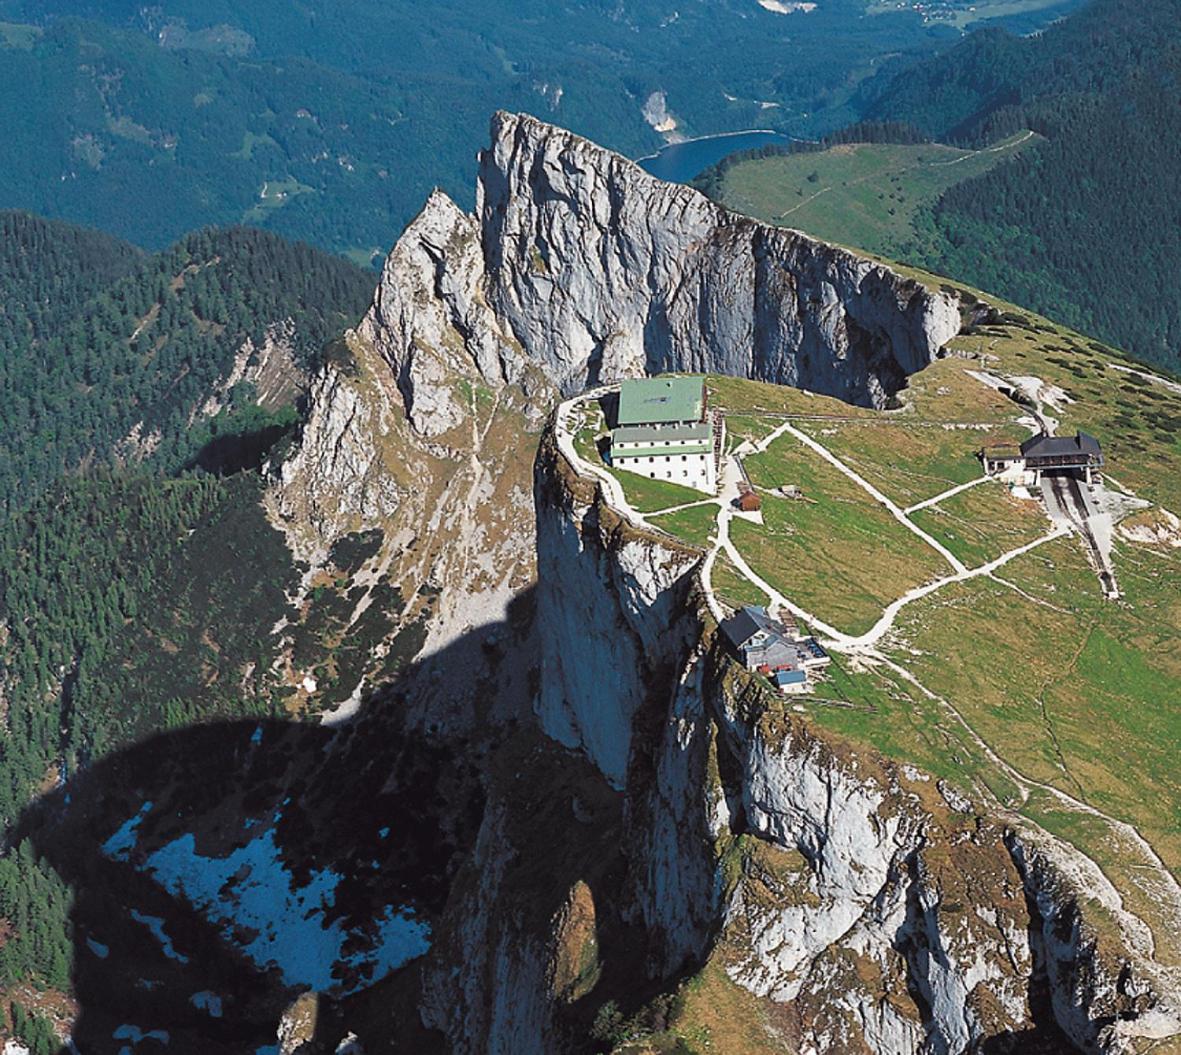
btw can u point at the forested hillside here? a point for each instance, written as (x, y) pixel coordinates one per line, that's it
(1086, 225)
(97, 339)
(1049, 174)
(331, 122)
(139, 580)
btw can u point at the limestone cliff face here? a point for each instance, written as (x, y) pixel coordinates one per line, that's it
(577, 266)
(848, 893)
(603, 272)
(878, 910)
(429, 320)
(625, 613)
(580, 267)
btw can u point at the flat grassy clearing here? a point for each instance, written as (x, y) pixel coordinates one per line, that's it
(928, 445)
(274, 195)
(741, 427)
(883, 710)
(839, 554)
(363, 256)
(19, 35)
(945, 393)
(695, 525)
(910, 463)
(250, 140)
(983, 522)
(651, 496)
(963, 15)
(738, 396)
(865, 195)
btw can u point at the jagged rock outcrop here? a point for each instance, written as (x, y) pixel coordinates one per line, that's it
(876, 912)
(577, 265)
(430, 322)
(580, 267)
(603, 272)
(883, 912)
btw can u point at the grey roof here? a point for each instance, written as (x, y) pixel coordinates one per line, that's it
(748, 621)
(789, 677)
(1042, 446)
(649, 433)
(776, 653)
(741, 626)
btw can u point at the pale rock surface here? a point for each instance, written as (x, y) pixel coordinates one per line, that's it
(871, 884)
(579, 267)
(602, 271)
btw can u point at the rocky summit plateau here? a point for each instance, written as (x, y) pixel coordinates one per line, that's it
(602, 833)
(666, 854)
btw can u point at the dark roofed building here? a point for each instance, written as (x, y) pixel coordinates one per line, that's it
(1079, 451)
(776, 652)
(1041, 453)
(751, 625)
(765, 643)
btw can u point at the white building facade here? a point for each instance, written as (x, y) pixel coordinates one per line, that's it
(664, 432)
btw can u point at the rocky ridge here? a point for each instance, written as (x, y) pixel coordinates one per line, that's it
(580, 267)
(577, 266)
(882, 910)
(873, 911)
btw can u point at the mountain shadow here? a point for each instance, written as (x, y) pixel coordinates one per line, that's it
(223, 869)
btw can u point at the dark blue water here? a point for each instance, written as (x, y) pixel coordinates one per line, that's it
(680, 162)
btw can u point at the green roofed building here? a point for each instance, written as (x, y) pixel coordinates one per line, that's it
(662, 401)
(663, 432)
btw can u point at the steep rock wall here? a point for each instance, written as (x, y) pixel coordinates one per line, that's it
(882, 912)
(602, 271)
(579, 267)
(610, 620)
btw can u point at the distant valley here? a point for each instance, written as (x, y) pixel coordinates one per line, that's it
(356, 699)
(330, 125)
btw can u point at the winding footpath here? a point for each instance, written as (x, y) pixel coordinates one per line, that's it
(877, 495)
(1155, 880)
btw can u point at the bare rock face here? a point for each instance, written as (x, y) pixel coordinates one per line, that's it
(603, 272)
(874, 909)
(298, 1027)
(430, 322)
(580, 267)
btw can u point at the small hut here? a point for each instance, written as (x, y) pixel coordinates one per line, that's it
(749, 502)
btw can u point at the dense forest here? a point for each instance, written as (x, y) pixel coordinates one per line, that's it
(1086, 225)
(331, 122)
(97, 339)
(138, 585)
(131, 603)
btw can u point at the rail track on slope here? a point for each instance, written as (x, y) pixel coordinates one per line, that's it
(1069, 496)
